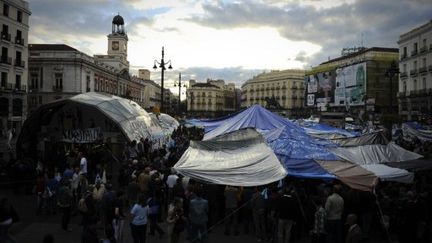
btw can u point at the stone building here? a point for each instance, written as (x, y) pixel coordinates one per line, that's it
(356, 83)
(14, 19)
(415, 78)
(211, 99)
(277, 90)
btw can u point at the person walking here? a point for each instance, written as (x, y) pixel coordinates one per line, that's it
(286, 214)
(354, 234)
(334, 207)
(198, 217)
(231, 214)
(138, 224)
(175, 220)
(64, 202)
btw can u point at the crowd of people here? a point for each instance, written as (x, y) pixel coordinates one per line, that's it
(146, 196)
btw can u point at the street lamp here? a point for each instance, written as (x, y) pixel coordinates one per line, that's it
(390, 73)
(179, 98)
(161, 65)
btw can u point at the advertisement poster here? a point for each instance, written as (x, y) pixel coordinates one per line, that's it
(310, 99)
(312, 84)
(322, 85)
(350, 85)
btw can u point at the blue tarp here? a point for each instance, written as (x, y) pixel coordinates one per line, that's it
(297, 154)
(327, 129)
(255, 117)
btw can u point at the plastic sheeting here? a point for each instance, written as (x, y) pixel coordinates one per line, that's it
(256, 117)
(375, 154)
(413, 130)
(326, 131)
(412, 165)
(231, 161)
(387, 173)
(167, 123)
(367, 139)
(298, 152)
(351, 174)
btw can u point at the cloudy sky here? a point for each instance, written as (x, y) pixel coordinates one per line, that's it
(227, 39)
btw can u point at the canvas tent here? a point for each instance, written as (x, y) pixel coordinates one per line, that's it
(413, 130)
(366, 139)
(328, 132)
(240, 158)
(87, 118)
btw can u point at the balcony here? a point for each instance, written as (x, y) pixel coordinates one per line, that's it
(284, 87)
(413, 73)
(403, 74)
(5, 36)
(423, 49)
(6, 60)
(294, 96)
(19, 63)
(21, 87)
(430, 68)
(423, 70)
(56, 88)
(403, 56)
(294, 87)
(19, 41)
(284, 97)
(272, 88)
(401, 94)
(414, 53)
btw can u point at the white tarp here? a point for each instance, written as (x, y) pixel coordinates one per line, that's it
(238, 160)
(375, 154)
(387, 173)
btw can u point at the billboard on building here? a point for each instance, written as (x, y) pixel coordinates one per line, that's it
(350, 85)
(310, 99)
(322, 85)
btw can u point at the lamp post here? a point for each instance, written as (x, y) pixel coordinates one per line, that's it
(179, 98)
(162, 65)
(390, 73)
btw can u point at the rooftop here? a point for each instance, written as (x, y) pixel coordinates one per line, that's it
(51, 47)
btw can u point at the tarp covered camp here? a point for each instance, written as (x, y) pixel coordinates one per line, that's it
(240, 158)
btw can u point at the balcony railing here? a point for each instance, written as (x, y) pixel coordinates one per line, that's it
(413, 53)
(6, 60)
(401, 94)
(413, 72)
(423, 70)
(403, 74)
(19, 41)
(403, 56)
(284, 87)
(294, 87)
(19, 63)
(5, 36)
(21, 87)
(57, 88)
(294, 96)
(423, 49)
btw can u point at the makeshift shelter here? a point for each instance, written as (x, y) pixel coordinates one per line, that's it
(328, 132)
(366, 139)
(87, 118)
(255, 117)
(240, 158)
(373, 157)
(167, 123)
(413, 130)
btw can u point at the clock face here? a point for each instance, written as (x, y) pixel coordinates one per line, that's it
(115, 45)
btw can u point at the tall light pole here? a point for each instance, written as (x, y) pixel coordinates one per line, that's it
(390, 73)
(179, 98)
(162, 65)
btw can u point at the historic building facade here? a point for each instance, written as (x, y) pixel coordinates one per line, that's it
(415, 78)
(277, 90)
(358, 83)
(210, 99)
(14, 19)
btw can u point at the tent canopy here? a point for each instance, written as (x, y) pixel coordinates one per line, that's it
(132, 120)
(366, 139)
(326, 131)
(255, 117)
(238, 159)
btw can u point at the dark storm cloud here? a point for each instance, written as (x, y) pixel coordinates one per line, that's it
(53, 21)
(375, 23)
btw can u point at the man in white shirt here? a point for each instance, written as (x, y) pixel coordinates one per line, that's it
(83, 164)
(334, 207)
(171, 181)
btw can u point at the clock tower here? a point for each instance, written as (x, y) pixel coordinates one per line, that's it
(117, 46)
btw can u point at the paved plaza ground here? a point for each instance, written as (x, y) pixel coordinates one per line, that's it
(32, 227)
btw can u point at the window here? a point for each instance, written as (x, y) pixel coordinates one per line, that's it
(415, 65)
(40, 100)
(415, 47)
(34, 80)
(18, 38)
(88, 83)
(58, 80)
(424, 83)
(415, 84)
(424, 42)
(404, 87)
(424, 62)
(18, 59)
(19, 16)
(3, 79)
(17, 81)
(404, 68)
(5, 9)
(5, 30)
(405, 51)
(17, 107)
(4, 106)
